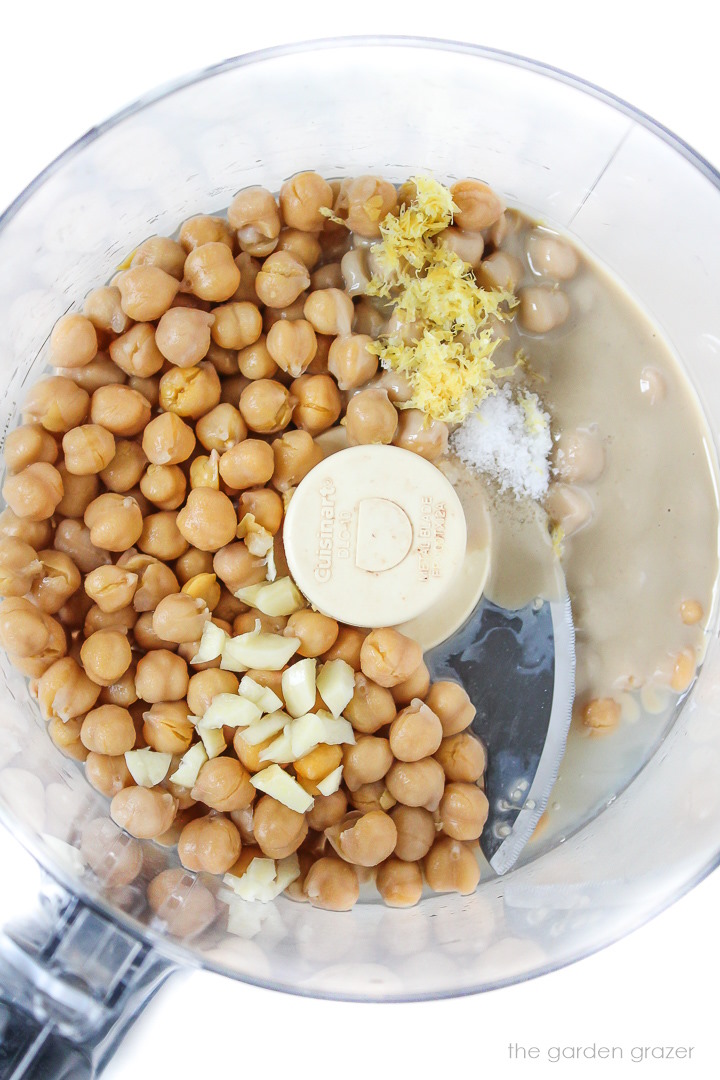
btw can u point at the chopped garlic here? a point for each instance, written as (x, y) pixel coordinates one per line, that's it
(336, 730)
(331, 783)
(271, 565)
(190, 765)
(257, 539)
(266, 652)
(230, 710)
(213, 740)
(336, 685)
(265, 728)
(262, 696)
(211, 645)
(281, 750)
(386, 800)
(306, 732)
(281, 597)
(70, 857)
(298, 686)
(147, 767)
(264, 879)
(279, 785)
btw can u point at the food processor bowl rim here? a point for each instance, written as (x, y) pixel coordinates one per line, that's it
(185, 955)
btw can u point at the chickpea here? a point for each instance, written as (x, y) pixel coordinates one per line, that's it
(205, 471)
(66, 736)
(74, 611)
(415, 733)
(107, 774)
(416, 783)
(149, 388)
(316, 632)
(279, 831)
(249, 269)
(57, 403)
(237, 324)
(126, 468)
(168, 440)
(121, 691)
(145, 813)
(305, 246)
(211, 844)
(64, 690)
(462, 757)
(369, 200)
(166, 727)
(211, 273)
(478, 205)
(691, 612)
(248, 463)
(366, 761)
(366, 840)
(180, 618)
(371, 418)
(205, 685)
(416, 685)
(569, 506)
(162, 252)
(99, 372)
(145, 637)
(204, 587)
(223, 784)
(601, 714)
(282, 279)
(292, 344)
(415, 832)
(301, 199)
(36, 533)
(399, 883)
(108, 730)
(328, 276)
(182, 337)
(550, 256)
(164, 485)
(237, 567)
(73, 341)
(328, 810)
(451, 866)
(332, 885)
(255, 361)
(350, 361)
(193, 563)
(542, 308)
(371, 706)
(221, 428)
(203, 229)
(185, 905)
(35, 492)
(26, 445)
(421, 434)
(155, 580)
(161, 676)
(190, 391)
(88, 449)
(295, 455)
(208, 520)
(104, 310)
(388, 657)
(58, 580)
(468, 246)
(500, 271)
(120, 410)
(24, 631)
(330, 311)
(113, 857)
(96, 619)
(318, 403)
(269, 624)
(463, 811)
(355, 272)
(161, 537)
(136, 352)
(347, 646)
(265, 505)
(73, 538)
(78, 492)
(579, 456)
(254, 213)
(146, 292)
(19, 566)
(115, 522)
(369, 321)
(451, 704)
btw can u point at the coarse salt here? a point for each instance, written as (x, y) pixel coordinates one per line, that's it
(508, 438)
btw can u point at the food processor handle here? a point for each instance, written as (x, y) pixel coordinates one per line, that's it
(71, 983)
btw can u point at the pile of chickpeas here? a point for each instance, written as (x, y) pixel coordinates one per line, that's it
(188, 394)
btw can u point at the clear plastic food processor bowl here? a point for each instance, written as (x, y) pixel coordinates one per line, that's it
(79, 958)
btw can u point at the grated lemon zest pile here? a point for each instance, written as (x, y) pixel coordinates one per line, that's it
(449, 366)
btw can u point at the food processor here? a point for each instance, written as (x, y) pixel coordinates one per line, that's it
(79, 955)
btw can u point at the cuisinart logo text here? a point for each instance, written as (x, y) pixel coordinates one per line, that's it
(328, 546)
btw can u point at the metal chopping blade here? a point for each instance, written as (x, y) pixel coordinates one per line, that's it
(519, 669)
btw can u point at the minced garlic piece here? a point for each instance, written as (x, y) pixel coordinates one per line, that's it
(449, 366)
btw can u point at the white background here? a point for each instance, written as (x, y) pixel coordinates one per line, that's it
(65, 67)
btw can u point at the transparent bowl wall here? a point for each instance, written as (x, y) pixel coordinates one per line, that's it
(640, 201)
